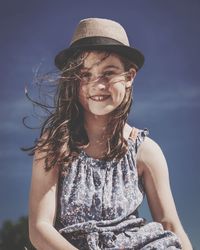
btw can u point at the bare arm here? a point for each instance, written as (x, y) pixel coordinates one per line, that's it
(153, 167)
(42, 209)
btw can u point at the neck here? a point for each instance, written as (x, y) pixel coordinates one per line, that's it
(95, 126)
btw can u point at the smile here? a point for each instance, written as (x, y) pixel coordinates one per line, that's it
(99, 98)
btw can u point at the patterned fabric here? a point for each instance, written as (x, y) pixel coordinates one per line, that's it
(98, 205)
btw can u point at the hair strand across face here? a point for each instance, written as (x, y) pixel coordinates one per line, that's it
(63, 135)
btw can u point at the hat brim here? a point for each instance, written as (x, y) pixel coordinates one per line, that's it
(130, 53)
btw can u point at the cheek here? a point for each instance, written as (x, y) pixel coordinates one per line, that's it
(83, 93)
(118, 91)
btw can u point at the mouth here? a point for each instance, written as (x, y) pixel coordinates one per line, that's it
(99, 98)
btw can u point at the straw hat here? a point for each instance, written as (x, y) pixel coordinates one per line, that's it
(99, 33)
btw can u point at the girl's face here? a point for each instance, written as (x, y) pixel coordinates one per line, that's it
(103, 83)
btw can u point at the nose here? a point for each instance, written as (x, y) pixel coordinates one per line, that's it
(99, 83)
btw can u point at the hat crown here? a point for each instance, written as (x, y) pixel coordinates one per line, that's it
(99, 27)
(99, 34)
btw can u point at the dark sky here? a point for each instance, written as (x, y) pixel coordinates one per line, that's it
(166, 91)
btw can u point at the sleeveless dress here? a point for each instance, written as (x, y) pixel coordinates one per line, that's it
(98, 205)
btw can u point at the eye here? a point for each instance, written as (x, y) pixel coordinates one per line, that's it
(85, 76)
(109, 73)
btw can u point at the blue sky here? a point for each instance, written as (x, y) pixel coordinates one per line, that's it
(166, 90)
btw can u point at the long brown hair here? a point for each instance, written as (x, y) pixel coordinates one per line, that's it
(63, 134)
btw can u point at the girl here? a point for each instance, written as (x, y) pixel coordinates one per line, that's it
(91, 169)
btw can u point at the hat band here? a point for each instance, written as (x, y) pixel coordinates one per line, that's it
(95, 40)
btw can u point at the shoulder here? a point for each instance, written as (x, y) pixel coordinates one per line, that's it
(150, 157)
(39, 170)
(151, 160)
(148, 148)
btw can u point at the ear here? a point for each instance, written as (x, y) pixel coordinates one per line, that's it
(130, 77)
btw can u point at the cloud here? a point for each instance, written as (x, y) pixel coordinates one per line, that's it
(167, 100)
(12, 114)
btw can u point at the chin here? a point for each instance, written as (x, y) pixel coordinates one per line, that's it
(101, 112)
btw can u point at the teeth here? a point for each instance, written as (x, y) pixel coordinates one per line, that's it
(99, 98)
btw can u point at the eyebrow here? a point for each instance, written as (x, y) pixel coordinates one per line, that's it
(112, 66)
(108, 66)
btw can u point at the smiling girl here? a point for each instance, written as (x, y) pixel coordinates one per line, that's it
(91, 169)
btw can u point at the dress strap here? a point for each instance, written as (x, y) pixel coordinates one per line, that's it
(138, 136)
(134, 133)
(141, 137)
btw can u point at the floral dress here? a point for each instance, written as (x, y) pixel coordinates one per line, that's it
(98, 205)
